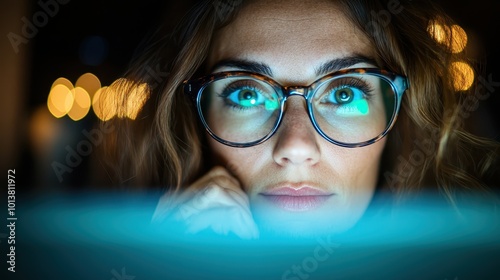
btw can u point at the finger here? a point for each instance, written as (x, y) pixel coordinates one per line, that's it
(218, 176)
(221, 172)
(241, 198)
(227, 196)
(223, 220)
(223, 178)
(220, 198)
(211, 197)
(165, 206)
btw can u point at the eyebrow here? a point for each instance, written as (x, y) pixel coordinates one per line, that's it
(325, 68)
(246, 65)
(343, 62)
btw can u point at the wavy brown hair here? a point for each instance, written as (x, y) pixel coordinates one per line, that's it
(427, 148)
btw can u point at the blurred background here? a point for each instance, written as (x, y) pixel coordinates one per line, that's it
(56, 56)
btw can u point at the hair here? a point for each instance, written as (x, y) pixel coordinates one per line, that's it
(428, 147)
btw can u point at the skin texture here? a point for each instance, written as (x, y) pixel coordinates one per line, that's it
(294, 38)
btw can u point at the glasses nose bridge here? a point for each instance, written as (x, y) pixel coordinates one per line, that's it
(296, 90)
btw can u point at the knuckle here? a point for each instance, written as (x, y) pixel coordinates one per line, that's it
(224, 181)
(219, 170)
(235, 212)
(212, 190)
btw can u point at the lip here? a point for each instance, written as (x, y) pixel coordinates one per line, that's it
(296, 199)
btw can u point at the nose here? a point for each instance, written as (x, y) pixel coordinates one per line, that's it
(296, 142)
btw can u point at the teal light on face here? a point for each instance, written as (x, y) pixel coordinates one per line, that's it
(355, 108)
(247, 102)
(362, 106)
(113, 227)
(271, 105)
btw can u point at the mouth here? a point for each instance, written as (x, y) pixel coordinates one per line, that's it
(296, 199)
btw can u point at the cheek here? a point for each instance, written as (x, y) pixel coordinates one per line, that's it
(356, 169)
(242, 163)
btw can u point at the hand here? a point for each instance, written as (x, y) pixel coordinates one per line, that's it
(214, 201)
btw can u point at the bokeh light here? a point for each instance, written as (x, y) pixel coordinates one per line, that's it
(103, 103)
(42, 130)
(81, 104)
(123, 98)
(454, 37)
(136, 99)
(463, 75)
(60, 100)
(62, 81)
(118, 90)
(131, 96)
(89, 82)
(459, 39)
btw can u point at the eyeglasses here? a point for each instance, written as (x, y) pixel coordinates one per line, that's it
(350, 108)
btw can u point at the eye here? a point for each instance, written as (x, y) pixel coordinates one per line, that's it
(346, 97)
(343, 95)
(246, 97)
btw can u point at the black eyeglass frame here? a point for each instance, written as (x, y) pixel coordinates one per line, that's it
(195, 87)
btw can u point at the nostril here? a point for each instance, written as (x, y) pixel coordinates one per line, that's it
(296, 159)
(296, 146)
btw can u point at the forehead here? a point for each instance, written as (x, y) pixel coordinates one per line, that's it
(291, 33)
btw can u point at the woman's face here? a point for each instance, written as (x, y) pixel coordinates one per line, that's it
(297, 182)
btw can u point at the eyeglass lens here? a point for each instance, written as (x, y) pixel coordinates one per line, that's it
(351, 108)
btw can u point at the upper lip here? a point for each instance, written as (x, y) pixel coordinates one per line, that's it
(296, 190)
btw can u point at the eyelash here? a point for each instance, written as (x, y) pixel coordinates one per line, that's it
(341, 83)
(238, 85)
(235, 86)
(352, 82)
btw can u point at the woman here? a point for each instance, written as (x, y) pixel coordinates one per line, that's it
(276, 115)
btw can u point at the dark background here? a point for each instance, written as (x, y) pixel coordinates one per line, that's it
(59, 238)
(60, 47)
